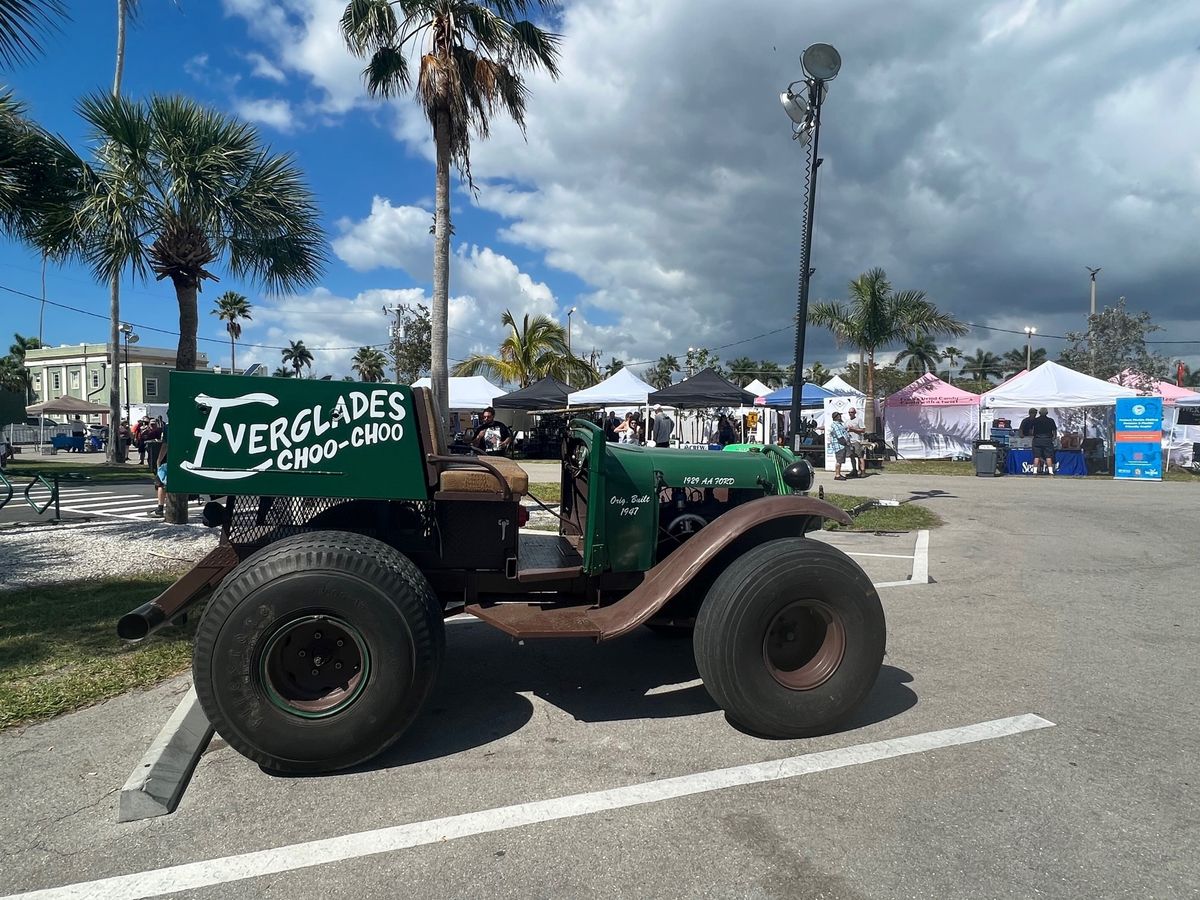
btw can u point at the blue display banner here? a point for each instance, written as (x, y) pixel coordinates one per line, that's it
(1137, 444)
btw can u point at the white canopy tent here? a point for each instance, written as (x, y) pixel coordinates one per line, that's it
(1053, 385)
(624, 389)
(468, 393)
(839, 385)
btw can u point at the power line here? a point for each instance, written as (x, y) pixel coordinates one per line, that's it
(143, 327)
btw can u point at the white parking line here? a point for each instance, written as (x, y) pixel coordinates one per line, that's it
(920, 558)
(881, 555)
(114, 500)
(192, 876)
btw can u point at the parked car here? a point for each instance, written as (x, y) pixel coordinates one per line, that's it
(33, 420)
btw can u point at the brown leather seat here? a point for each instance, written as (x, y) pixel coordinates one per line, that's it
(464, 479)
(477, 480)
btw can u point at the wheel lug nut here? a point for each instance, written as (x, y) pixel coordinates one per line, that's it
(316, 672)
(302, 654)
(791, 635)
(337, 665)
(340, 642)
(316, 635)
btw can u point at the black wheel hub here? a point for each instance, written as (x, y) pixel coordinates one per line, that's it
(314, 666)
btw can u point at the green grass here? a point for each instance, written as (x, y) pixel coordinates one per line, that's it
(929, 467)
(907, 517)
(59, 648)
(19, 468)
(546, 491)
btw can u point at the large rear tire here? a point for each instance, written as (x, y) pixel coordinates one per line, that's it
(790, 638)
(317, 652)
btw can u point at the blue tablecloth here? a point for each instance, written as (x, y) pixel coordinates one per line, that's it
(1066, 462)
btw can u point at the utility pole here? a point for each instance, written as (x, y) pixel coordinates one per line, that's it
(395, 335)
(1091, 337)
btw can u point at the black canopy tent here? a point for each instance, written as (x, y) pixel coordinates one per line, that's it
(549, 393)
(702, 390)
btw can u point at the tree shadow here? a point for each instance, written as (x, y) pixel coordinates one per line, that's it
(933, 494)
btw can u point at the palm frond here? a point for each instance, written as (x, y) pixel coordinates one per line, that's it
(22, 25)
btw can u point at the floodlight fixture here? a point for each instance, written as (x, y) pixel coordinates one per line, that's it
(822, 62)
(796, 106)
(132, 339)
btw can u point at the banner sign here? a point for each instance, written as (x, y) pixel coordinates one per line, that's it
(1137, 443)
(232, 434)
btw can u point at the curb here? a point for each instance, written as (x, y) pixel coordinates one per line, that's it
(156, 785)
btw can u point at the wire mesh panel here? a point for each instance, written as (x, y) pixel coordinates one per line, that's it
(256, 520)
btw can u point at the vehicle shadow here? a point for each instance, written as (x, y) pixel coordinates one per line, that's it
(481, 696)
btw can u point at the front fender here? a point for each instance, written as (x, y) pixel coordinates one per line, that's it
(673, 574)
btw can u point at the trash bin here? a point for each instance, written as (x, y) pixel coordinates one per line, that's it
(987, 460)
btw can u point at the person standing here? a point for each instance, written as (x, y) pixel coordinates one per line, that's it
(1045, 429)
(857, 450)
(1025, 430)
(725, 433)
(662, 428)
(838, 439)
(151, 435)
(159, 466)
(627, 430)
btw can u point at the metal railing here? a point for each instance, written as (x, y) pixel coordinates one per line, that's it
(8, 491)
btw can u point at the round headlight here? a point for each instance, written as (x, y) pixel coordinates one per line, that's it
(799, 476)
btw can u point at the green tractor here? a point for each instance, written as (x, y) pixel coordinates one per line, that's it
(349, 533)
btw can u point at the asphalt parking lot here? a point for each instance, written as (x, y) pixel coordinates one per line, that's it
(1069, 601)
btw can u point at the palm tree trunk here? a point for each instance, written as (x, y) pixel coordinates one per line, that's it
(186, 288)
(232, 357)
(439, 352)
(869, 412)
(114, 303)
(112, 451)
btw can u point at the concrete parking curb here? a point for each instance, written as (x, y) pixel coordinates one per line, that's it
(157, 783)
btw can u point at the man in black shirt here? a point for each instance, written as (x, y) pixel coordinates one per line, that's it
(491, 436)
(1044, 431)
(1026, 428)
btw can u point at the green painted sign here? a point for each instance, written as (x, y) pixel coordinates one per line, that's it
(229, 434)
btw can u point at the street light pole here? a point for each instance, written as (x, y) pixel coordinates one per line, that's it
(127, 334)
(821, 63)
(1030, 331)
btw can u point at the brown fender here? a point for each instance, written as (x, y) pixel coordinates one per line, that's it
(674, 573)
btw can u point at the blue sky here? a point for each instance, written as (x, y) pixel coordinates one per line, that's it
(984, 153)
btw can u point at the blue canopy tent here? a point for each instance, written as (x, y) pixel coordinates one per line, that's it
(813, 396)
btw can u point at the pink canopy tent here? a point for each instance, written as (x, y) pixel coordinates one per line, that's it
(1169, 392)
(931, 419)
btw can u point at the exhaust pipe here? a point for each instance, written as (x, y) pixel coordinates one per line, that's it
(175, 601)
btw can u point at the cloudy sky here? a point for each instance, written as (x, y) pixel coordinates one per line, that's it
(982, 152)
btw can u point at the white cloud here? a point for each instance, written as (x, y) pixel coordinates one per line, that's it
(983, 155)
(390, 237)
(264, 68)
(275, 114)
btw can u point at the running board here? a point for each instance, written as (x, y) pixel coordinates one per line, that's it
(537, 620)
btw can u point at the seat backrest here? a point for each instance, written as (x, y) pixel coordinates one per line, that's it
(432, 441)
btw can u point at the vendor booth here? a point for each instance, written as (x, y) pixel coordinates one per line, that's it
(1179, 437)
(930, 419)
(623, 390)
(1081, 406)
(542, 404)
(839, 385)
(702, 393)
(467, 393)
(81, 438)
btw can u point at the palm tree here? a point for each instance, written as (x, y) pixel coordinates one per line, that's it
(771, 374)
(659, 375)
(817, 374)
(232, 307)
(983, 365)
(922, 354)
(369, 363)
(1014, 360)
(20, 24)
(15, 376)
(951, 355)
(282, 372)
(614, 366)
(471, 63)
(742, 371)
(175, 188)
(33, 179)
(297, 356)
(877, 316)
(533, 350)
